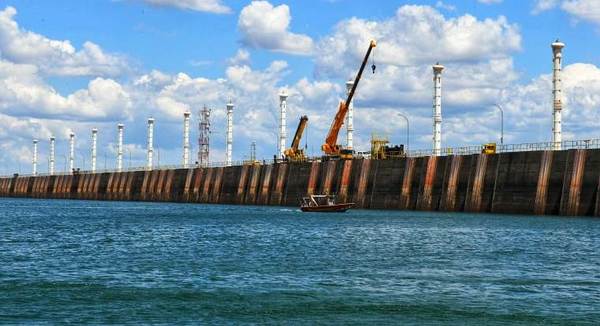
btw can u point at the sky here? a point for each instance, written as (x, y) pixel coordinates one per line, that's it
(70, 66)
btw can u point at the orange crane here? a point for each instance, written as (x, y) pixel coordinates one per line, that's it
(331, 148)
(295, 153)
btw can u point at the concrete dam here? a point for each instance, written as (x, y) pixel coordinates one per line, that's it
(537, 182)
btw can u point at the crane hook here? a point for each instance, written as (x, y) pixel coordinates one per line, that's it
(373, 66)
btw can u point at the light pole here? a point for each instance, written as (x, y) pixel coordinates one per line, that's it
(407, 131)
(501, 124)
(158, 157)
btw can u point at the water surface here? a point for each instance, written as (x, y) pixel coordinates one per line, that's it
(119, 262)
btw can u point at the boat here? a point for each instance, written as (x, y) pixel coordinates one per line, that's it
(323, 203)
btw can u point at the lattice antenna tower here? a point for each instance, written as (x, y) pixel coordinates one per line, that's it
(204, 137)
(253, 151)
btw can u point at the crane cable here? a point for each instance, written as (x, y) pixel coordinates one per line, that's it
(373, 66)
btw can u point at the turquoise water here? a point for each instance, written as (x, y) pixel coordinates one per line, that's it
(111, 262)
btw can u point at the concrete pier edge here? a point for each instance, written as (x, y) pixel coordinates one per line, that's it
(538, 182)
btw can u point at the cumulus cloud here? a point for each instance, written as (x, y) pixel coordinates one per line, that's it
(54, 57)
(24, 94)
(477, 55)
(241, 57)
(527, 113)
(212, 6)
(543, 5)
(479, 72)
(417, 35)
(264, 26)
(445, 6)
(529, 106)
(586, 10)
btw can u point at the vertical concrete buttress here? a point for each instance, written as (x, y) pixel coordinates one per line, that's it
(145, 185)
(278, 191)
(541, 193)
(475, 192)
(363, 180)
(405, 191)
(345, 181)
(168, 187)
(312, 179)
(424, 200)
(450, 191)
(263, 196)
(328, 180)
(206, 185)
(597, 203)
(216, 189)
(196, 190)
(569, 205)
(188, 185)
(241, 189)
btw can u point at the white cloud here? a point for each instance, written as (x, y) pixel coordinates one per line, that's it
(23, 93)
(212, 6)
(242, 57)
(543, 5)
(267, 27)
(445, 6)
(200, 63)
(416, 35)
(588, 10)
(487, 2)
(54, 57)
(529, 106)
(477, 55)
(479, 71)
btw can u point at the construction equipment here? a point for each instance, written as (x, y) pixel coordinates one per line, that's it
(381, 151)
(489, 148)
(295, 153)
(330, 147)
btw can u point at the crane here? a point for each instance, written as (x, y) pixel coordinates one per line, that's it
(295, 153)
(330, 147)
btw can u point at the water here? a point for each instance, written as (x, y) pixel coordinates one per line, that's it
(109, 262)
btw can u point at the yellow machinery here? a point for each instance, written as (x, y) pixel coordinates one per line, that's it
(489, 148)
(295, 153)
(378, 145)
(330, 147)
(381, 151)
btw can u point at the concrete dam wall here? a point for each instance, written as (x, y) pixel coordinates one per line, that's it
(538, 182)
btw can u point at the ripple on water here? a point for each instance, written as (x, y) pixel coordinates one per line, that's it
(114, 262)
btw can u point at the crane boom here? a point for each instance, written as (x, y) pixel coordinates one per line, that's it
(331, 147)
(294, 153)
(299, 132)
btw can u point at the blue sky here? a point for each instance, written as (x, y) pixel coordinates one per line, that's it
(144, 31)
(156, 41)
